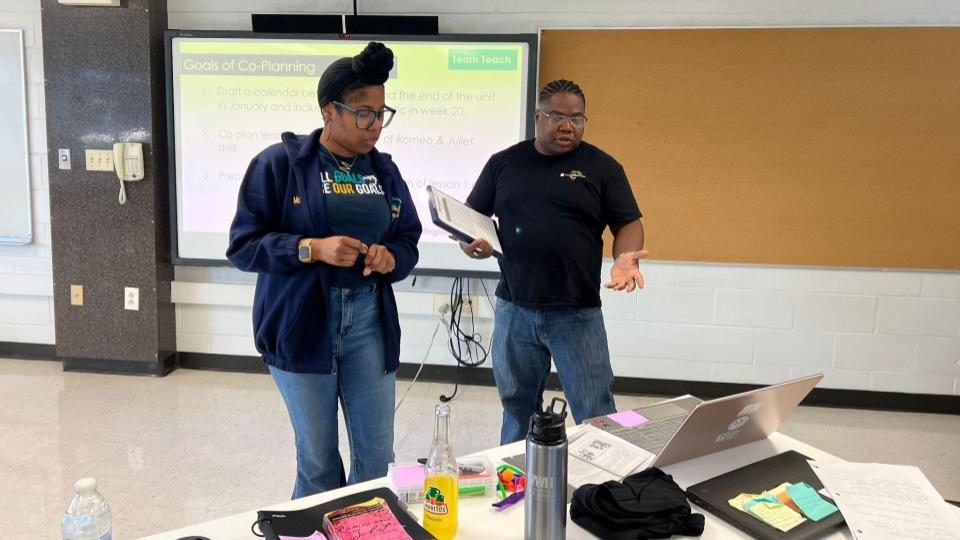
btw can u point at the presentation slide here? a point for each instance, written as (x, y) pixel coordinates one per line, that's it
(457, 103)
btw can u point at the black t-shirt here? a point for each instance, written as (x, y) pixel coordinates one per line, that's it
(552, 212)
(356, 207)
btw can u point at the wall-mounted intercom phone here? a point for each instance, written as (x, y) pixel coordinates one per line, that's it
(128, 162)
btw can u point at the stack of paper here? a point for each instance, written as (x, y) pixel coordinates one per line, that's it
(597, 456)
(785, 506)
(887, 502)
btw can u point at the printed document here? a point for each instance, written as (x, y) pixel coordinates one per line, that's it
(888, 502)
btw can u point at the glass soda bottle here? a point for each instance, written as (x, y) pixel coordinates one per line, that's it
(440, 485)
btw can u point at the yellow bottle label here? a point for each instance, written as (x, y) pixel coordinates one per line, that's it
(440, 505)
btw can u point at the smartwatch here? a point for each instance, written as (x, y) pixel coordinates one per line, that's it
(304, 251)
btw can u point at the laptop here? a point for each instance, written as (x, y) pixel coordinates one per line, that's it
(790, 466)
(686, 427)
(461, 221)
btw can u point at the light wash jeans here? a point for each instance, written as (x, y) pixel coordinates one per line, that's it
(358, 383)
(523, 342)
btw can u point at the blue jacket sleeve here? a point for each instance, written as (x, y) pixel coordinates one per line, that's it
(403, 243)
(256, 242)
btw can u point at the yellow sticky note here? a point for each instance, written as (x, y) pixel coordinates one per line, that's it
(775, 514)
(740, 500)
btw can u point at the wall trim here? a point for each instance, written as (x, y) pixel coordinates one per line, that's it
(221, 362)
(120, 367)
(820, 397)
(27, 351)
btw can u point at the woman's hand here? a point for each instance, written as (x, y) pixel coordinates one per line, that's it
(337, 250)
(378, 259)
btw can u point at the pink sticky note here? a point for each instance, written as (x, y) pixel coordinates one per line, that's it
(409, 476)
(315, 536)
(366, 520)
(628, 418)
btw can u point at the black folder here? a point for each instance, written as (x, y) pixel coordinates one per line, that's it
(712, 495)
(273, 523)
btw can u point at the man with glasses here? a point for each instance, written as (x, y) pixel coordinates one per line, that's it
(554, 196)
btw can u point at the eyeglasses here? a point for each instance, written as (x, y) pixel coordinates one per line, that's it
(559, 119)
(366, 117)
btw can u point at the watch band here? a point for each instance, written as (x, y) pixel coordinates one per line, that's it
(305, 251)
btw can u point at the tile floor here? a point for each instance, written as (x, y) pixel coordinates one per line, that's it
(198, 445)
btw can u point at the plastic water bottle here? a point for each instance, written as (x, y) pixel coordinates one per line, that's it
(545, 499)
(88, 514)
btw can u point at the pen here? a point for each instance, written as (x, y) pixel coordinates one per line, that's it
(464, 468)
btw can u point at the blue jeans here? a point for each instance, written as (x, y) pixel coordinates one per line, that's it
(523, 342)
(359, 383)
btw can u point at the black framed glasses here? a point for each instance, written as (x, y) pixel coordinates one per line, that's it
(366, 117)
(558, 119)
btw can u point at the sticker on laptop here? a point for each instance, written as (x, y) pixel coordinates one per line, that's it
(750, 409)
(628, 418)
(738, 423)
(728, 435)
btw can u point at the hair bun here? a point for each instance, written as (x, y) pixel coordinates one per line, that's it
(373, 65)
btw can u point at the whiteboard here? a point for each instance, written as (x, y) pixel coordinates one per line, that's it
(16, 225)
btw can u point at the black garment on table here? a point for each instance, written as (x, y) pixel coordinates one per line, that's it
(648, 504)
(552, 211)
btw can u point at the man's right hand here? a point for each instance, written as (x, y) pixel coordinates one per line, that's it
(337, 250)
(478, 249)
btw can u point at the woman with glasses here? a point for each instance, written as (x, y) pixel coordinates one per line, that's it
(328, 224)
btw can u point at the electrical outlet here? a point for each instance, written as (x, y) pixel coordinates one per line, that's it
(470, 305)
(441, 304)
(131, 298)
(76, 295)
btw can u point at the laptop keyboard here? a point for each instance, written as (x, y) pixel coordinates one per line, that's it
(652, 437)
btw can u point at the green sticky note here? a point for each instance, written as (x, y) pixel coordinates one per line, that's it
(772, 499)
(810, 502)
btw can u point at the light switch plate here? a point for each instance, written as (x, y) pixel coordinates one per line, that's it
(76, 295)
(63, 158)
(99, 160)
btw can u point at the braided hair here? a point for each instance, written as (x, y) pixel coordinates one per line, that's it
(560, 86)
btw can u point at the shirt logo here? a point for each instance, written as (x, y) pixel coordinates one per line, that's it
(573, 175)
(395, 204)
(296, 199)
(349, 183)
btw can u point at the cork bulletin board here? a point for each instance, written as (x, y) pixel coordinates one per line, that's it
(807, 146)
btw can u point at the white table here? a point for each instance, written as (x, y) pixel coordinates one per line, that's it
(481, 522)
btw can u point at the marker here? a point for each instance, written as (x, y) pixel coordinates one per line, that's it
(467, 491)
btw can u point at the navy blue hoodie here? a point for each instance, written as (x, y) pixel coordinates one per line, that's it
(281, 202)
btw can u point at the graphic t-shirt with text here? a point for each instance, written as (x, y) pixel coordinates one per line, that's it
(356, 207)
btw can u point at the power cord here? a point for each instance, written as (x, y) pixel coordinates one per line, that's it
(440, 322)
(493, 308)
(465, 347)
